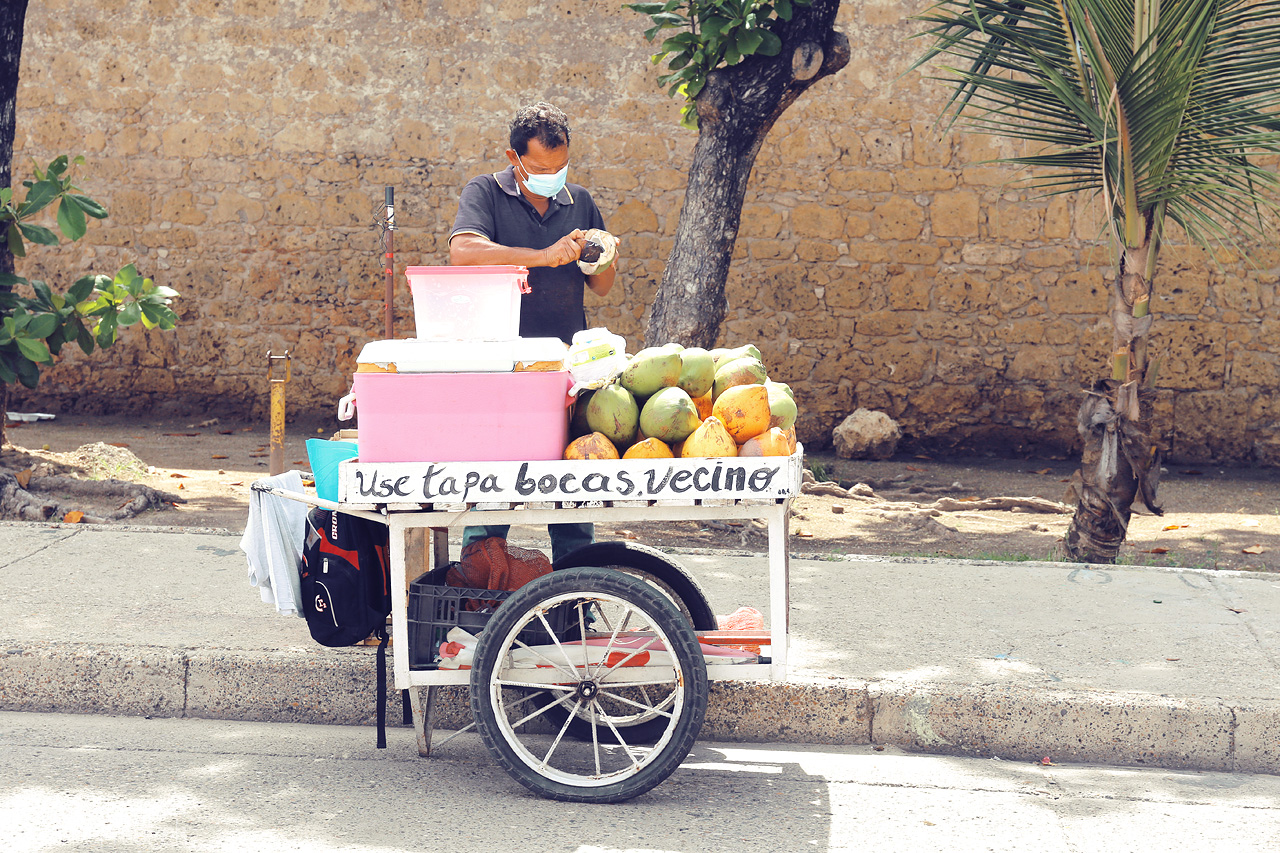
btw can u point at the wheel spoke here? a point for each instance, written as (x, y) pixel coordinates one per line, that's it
(595, 739)
(526, 685)
(571, 672)
(669, 680)
(555, 638)
(655, 709)
(546, 759)
(582, 634)
(538, 713)
(613, 638)
(623, 662)
(626, 749)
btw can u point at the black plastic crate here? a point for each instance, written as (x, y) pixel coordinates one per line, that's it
(435, 608)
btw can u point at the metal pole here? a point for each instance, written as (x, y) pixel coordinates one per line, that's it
(276, 460)
(390, 265)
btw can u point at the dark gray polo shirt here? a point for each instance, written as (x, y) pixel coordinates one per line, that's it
(493, 207)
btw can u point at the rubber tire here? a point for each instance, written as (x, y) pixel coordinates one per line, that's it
(584, 582)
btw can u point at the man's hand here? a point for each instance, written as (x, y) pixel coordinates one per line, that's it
(566, 250)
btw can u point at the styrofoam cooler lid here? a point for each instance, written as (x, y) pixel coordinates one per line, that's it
(539, 349)
(422, 356)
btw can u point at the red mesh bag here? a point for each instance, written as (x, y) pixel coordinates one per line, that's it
(493, 564)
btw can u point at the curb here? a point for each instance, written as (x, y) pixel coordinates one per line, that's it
(336, 686)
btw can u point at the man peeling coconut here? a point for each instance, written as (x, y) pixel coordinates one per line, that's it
(529, 215)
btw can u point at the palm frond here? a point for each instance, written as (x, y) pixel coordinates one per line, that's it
(1161, 106)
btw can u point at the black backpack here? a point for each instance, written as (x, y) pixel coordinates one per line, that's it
(346, 587)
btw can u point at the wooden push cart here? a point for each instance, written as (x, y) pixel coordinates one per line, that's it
(588, 684)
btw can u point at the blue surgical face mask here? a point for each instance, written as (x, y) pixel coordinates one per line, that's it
(544, 185)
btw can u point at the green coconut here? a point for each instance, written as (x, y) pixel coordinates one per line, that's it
(613, 412)
(651, 369)
(697, 371)
(670, 414)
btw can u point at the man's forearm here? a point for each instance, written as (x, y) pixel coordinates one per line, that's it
(602, 283)
(472, 250)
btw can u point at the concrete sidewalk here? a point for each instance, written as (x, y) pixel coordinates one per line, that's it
(1122, 665)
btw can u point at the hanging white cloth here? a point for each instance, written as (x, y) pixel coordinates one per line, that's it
(273, 541)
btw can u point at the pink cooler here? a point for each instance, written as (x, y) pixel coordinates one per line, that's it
(467, 303)
(462, 417)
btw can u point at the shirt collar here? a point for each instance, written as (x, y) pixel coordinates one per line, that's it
(507, 181)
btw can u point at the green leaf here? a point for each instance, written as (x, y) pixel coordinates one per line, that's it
(35, 350)
(81, 289)
(126, 275)
(90, 206)
(100, 304)
(84, 339)
(58, 167)
(38, 234)
(41, 195)
(770, 44)
(28, 372)
(43, 294)
(9, 280)
(130, 314)
(42, 325)
(158, 315)
(71, 218)
(14, 238)
(715, 26)
(7, 374)
(748, 40)
(106, 332)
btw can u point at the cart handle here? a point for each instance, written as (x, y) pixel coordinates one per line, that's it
(363, 511)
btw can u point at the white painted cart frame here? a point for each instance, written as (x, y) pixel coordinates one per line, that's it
(419, 495)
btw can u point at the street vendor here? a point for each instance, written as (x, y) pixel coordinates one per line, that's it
(529, 215)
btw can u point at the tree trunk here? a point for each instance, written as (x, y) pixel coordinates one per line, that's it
(736, 109)
(1118, 465)
(13, 14)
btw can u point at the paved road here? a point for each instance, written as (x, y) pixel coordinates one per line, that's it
(94, 784)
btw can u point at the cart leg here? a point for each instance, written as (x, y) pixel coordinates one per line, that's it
(424, 713)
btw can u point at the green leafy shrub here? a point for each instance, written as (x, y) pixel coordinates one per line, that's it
(33, 329)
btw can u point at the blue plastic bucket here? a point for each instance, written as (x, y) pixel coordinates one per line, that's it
(325, 456)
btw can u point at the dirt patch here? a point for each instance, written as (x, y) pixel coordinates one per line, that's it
(1215, 517)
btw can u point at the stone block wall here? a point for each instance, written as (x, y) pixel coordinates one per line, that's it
(242, 147)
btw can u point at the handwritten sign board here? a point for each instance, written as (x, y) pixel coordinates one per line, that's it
(757, 477)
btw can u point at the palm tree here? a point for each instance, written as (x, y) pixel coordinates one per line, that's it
(1160, 110)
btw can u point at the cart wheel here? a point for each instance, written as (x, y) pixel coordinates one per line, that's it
(641, 665)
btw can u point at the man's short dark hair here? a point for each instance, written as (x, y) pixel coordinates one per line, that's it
(540, 121)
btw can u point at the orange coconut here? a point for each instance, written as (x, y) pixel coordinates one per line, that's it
(594, 445)
(744, 410)
(649, 448)
(709, 439)
(772, 442)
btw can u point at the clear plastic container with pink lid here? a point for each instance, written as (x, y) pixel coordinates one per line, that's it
(467, 303)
